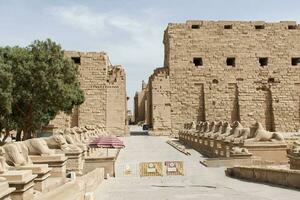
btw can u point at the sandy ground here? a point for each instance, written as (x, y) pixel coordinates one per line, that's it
(198, 182)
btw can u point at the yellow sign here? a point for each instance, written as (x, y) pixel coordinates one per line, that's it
(174, 168)
(151, 169)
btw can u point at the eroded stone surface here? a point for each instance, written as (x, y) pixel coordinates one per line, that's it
(104, 88)
(209, 74)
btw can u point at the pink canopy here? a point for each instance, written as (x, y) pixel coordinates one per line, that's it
(107, 142)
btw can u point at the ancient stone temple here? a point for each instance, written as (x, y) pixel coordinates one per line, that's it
(104, 88)
(140, 104)
(231, 71)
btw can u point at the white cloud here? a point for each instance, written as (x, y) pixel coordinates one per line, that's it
(134, 41)
(104, 23)
(79, 17)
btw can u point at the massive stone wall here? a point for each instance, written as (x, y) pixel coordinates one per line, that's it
(159, 107)
(93, 69)
(116, 112)
(229, 70)
(104, 88)
(141, 104)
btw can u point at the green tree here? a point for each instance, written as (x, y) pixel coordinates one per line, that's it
(6, 86)
(45, 83)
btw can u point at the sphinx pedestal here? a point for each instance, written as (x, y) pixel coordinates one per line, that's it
(108, 163)
(218, 148)
(294, 161)
(22, 181)
(5, 190)
(268, 151)
(42, 171)
(57, 163)
(75, 161)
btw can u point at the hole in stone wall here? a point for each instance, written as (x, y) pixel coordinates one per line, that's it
(195, 26)
(259, 27)
(295, 61)
(227, 26)
(292, 27)
(235, 112)
(76, 60)
(201, 116)
(263, 62)
(198, 62)
(215, 81)
(269, 111)
(230, 62)
(271, 80)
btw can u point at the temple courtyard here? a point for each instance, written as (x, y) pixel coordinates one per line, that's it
(198, 182)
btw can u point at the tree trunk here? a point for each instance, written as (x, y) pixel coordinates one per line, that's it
(6, 135)
(18, 136)
(26, 134)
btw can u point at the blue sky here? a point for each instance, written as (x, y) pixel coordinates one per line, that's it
(130, 31)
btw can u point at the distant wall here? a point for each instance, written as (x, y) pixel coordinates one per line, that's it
(104, 87)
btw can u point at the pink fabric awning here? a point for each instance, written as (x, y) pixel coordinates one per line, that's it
(107, 142)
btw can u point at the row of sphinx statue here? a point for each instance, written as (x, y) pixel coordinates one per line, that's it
(234, 132)
(71, 139)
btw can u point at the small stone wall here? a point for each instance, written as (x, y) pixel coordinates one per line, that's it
(76, 190)
(276, 176)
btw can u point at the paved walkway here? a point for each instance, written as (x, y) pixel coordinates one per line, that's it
(198, 183)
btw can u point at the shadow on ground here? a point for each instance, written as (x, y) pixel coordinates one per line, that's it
(139, 133)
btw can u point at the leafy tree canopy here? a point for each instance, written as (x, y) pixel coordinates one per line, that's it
(44, 83)
(5, 93)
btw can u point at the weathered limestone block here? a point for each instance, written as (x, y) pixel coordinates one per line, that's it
(17, 157)
(75, 161)
(78, 189)
(93, 179)
(108, 163)
(57, 163)
(22, 180)
(39, 153)
(294, 156)
(269, 151)
(5, 190)
(73, 152)
(294, 160)
(238, 152)
(71, 190)
(283, 177)
(267, 145)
